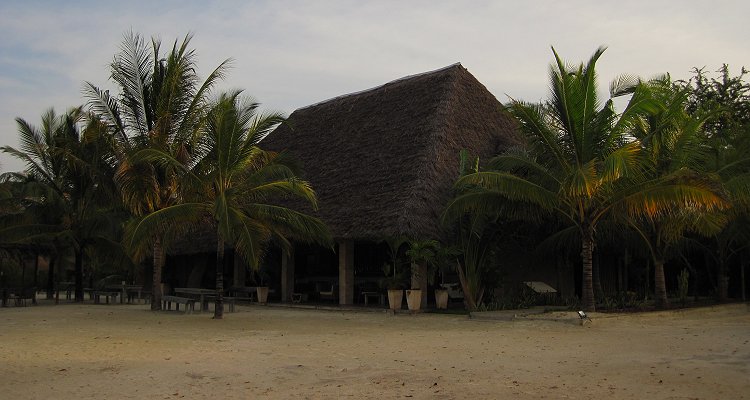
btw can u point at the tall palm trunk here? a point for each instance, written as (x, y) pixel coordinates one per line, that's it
(51, 278)
(219, 307)
(660, 286)
(587, 286)
(158, 266)
(79, 275)
(471, 299)
(743, 263)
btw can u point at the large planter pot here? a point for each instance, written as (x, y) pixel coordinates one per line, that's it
(395, 298)
(414, 299)
(262, 292)
(441, 299)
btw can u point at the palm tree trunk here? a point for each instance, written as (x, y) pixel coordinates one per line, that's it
(51, 278)
(660, 286)
(219, 306)
(647, 278)
(470, 297)
(156, 283)
(79, 275)
(36, 271)
(743, 262)
(587, 286)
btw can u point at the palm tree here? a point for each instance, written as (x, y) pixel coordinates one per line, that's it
(579, 163)
(161, 106)
(68, 188)
(234, 184)
(473, 235)
(673, 142)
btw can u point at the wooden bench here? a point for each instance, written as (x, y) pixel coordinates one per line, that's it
(98, 294)
(20, 296)
(168, 300)
(229, 302)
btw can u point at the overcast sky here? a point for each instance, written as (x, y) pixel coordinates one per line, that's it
(288, 54)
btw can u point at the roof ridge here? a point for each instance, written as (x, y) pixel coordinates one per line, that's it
(372, 89)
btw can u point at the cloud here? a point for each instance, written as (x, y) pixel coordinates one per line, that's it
(288, 54)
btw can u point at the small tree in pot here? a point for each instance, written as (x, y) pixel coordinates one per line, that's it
(394, 280)
(261, 288)
(445, 259)
(421, 253)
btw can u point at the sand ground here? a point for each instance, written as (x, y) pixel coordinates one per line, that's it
(86, 351)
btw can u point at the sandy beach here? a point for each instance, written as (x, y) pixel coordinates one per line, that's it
(86, 351)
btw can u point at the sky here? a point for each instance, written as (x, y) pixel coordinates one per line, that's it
(289, 54)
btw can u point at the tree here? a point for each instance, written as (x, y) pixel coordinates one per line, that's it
(674, 144)
(726, 101)
(69, 195)
(473, 234)
(579, 163)
(421, 253)
(161, 106)
(236, 186)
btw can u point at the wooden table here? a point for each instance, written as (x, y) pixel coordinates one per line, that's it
(129, 291)
(197, 293)
(248, 293)
(366, 296)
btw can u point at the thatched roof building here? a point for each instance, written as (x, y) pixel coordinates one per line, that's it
(383, 161)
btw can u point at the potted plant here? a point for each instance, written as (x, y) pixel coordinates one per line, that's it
(262, 290)
(421, 253)
(394, 279)
(394, 284)
(444, 260)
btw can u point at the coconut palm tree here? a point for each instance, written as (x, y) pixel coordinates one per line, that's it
(68, 195)
(161, 105)
(579, 163)
(235, 186)
(674, 143)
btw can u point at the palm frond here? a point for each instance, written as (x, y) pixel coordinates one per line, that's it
(511, 186)
(287, 222)
(168, 222)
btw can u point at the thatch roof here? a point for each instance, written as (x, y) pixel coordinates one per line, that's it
(383, 161)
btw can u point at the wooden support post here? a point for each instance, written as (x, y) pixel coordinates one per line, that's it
(346, 272)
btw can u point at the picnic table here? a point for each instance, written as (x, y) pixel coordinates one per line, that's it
(200, 294)
(248, 293)
(379, 296)
(127, 291)
(18, 295)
